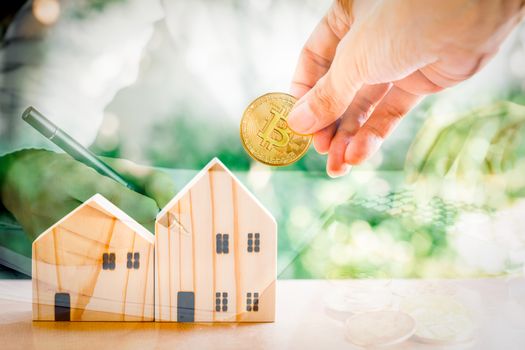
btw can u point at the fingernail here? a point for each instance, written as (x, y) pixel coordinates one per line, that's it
(345, 168)
(301, 118)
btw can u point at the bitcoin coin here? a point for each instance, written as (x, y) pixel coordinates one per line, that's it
(265, 134)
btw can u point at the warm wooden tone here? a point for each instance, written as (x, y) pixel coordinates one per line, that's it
(68, 258)
(186, 260)
(302, 321)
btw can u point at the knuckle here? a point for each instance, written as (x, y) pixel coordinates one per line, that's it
(361, 109)
(376, 132)
(364, 103)
(316, 58)
(326, 103)
(352, 125)
(393, 112)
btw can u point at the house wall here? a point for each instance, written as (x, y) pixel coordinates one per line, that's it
(69, 259)
(187, 259)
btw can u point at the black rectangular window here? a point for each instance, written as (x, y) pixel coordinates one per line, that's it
(108, 261)
(254, 242)
(133, 261)
(252, 302)
(221, 304)
(222, 243)
(62, 307)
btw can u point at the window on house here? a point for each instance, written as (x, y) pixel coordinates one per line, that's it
(254, 242)
(221, 304)
(108, 261)
(222, 243)
(252, 302)
(133, 260)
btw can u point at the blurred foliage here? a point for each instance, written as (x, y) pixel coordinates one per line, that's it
(395, 234)
(375, 222)
(488, 140)
(85, 8)
(171, 139)
(472, 163)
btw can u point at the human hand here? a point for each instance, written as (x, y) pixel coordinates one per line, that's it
(369, 62)
(40, 187)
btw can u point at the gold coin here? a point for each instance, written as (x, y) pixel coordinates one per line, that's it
(265, 134)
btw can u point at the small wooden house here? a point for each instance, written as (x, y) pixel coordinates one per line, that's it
(96, 264)
(215, 253)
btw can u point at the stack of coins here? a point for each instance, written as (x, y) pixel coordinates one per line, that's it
(372, 317)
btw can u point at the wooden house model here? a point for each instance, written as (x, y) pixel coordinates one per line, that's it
(213, 259)
(96, 264)
(215, 253)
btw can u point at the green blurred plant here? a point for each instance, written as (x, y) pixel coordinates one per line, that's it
(84, 8)
(181, 142)
(407, 235)
(39, 187)
(486, 141)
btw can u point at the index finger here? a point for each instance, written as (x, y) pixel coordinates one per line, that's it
(319, 50)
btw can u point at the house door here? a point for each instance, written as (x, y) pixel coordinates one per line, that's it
(62, 307)
(185, 307)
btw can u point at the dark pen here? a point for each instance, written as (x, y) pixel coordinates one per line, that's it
(71, 146)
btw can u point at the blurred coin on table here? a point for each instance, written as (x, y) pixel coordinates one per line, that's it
(265, 134)
(379, 328)
(441, 319)
(340, 303)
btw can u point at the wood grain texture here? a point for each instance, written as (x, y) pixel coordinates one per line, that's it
(213, 203)
(68, 258)
(203, 260)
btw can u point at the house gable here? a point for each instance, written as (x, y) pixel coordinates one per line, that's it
(214, 165)
(98, 259)
(215, 253)
(103, 205)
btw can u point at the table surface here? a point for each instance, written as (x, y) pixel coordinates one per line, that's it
(303, 321)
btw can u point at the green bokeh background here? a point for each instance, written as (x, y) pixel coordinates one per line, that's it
(458, 157)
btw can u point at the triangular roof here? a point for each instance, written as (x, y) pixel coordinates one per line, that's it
(213, 163)
(111, 208)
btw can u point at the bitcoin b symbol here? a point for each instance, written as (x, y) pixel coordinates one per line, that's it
(271, 128)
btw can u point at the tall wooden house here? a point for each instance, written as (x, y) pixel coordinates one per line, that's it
(215, 253)
(96, 264)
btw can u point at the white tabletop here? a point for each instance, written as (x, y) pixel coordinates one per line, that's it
(497, 307)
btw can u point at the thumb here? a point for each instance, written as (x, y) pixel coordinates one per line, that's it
(326, 101)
